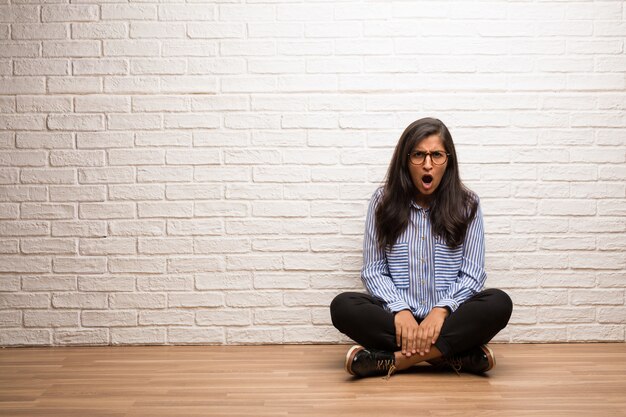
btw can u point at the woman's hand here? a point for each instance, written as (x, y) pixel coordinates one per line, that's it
(430, 328)
(406, 332)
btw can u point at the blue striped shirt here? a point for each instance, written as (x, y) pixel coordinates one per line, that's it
(420, 271)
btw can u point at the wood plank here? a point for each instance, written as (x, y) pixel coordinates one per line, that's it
(296, 380)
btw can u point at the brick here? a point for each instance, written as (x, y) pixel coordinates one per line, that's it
(160, 103)
(253, 263)
(10, 319)
(22, 85)
(136, 192)
(130, 48)
(10, 246)
(191, 121)
(137, 265)
(216, 30)
(83, 265)
(312, 192)
(536, 333)
(79, 300)
(220, 209)
(44, 104)
(311, 262)
(48, 176)
(230, 317)
(165, 209)
(107, 246)
(134, 121)
(23, 193)
(71, 49)
(160, 139)
(195, 157)
(25, 301)
(252, 156)
(612, 207)
(611, 315)
(17, 14)
(128, 12)
(21, 337)
(160, 174)
(77, 85)
(280, 209)
(195, 265)
(69, 13)
(153, 30)
(249, 84)
(73, 122)
(76, 158)
(99, 30)
(97, 140)
(254, 192)
(253, 335)
(160, 246)
(595, 332)
(186, 12)
(192, 191)
(280, 245)
(137, 228)
(101, 104)
(247, 13)
(597, 260)
(195, 227)
(221, 245)
(22, 158)
(184, 336)
(138, 300)
(139, 157)
(165, 283)
(48, 246)
(216, 65)
(188, 84)
(138, 336)
(566, 315)
(254, 299)
(158, 66)
(51, 319)
(10, 283)
(212, 174)
(41, 67)
(166, 318)
(19, 49)
(108, 318)
(99, 67)
(224, 281)
(79, 228)
(279, 138)
(204, 299)
(49, 283)
(106, 211)
(189, 48)
(278, 316)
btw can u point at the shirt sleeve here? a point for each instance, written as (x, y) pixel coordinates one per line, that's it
(472, 275)
(375, 272)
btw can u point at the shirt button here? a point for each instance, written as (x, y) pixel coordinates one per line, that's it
(422, 282)
(423, 260)
(423, 237)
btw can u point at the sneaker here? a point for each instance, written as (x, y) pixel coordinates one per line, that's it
(477, 360)
(363, 362)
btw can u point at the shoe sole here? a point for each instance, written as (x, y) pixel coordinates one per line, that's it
(490, 357)
(350, 355)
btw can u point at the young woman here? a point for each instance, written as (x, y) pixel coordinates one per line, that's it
(423, 266)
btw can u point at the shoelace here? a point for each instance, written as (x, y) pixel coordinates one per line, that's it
(455, 363)
(391, 368)
(391, 371)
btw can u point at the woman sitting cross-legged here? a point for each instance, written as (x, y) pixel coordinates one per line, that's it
(423, 267)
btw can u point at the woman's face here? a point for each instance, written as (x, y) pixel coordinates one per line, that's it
(427, 176)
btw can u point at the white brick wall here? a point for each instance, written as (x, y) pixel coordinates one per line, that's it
(199, 173)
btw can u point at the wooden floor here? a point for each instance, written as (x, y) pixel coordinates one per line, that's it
(529, 380)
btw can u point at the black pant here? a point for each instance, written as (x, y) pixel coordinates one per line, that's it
(363, 318)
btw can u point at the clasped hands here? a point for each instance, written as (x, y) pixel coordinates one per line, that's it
(414, 338)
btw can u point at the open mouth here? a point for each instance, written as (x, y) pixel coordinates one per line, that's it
(427, 179)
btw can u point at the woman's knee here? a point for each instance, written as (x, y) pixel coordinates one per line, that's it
(340, 306)
(501, 303)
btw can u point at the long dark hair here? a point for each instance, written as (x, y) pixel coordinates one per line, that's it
(453, 205)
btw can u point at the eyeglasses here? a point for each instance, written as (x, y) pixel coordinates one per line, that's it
(419, 157)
